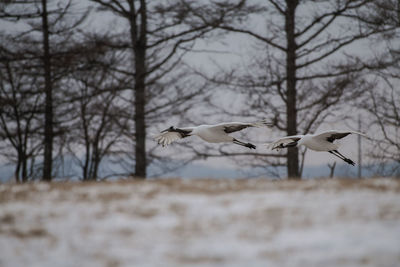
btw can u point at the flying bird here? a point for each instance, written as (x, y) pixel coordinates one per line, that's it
(317, 142)
(218, 133)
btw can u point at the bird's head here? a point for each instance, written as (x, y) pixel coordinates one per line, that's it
(170, 129)
(278, 147)
(272, 146)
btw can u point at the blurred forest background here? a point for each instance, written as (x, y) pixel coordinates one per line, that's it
(85, 84)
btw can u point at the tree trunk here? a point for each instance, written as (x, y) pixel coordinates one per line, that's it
(398, 12)
(139, 42)
(17, 171)
(291, 109)
(48, 127)
(140, 127)
(24, 175)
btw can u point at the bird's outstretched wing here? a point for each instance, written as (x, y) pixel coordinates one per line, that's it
(278, 144)
(230, 127)
(167, 138)
(332, 135)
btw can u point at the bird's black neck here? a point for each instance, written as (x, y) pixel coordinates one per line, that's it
(183, 133)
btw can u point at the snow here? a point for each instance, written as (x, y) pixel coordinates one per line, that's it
(205, 222)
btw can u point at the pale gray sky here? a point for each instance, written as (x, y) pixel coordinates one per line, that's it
(234, 50)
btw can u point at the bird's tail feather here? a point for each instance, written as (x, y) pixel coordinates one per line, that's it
(359, 133)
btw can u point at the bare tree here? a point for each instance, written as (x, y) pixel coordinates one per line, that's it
(302, 69)
(384, 107)
(383, 98)
(160, 35)
(19, 115)
(51, 20)
(94, 121)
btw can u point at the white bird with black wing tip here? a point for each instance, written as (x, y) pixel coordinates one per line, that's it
(317, 142)
(217, 133)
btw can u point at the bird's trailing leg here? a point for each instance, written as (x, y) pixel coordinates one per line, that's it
(339, 155)
(345, 159)
(249, 145)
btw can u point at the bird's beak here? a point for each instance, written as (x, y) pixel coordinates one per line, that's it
(168, 129)
(271, 146)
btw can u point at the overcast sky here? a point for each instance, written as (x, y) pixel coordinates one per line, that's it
(209, 56)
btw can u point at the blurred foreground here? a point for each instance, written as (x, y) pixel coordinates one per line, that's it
(201, 223)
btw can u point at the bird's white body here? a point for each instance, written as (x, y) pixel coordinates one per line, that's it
(312, 142)
(212, 134)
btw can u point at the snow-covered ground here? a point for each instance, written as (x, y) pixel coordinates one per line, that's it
(201, 223)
